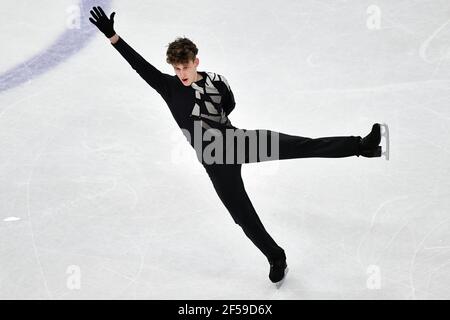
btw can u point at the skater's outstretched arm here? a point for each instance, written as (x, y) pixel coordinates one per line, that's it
(155, 78)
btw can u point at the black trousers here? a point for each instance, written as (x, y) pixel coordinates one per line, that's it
(227, 181)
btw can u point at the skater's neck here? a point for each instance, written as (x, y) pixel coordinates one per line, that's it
(199, 77)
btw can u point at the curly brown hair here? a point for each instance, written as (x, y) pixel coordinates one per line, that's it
(181, 51)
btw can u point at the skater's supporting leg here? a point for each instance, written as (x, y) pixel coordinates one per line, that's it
(227, 181)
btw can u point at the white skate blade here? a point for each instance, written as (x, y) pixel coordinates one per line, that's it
(385, 134)
(280, 283)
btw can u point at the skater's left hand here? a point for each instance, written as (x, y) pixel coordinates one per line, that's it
(102, 22)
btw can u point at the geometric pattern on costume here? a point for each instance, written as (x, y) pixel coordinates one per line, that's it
(208, 99)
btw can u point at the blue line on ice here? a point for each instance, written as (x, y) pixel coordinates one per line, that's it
(67, 44)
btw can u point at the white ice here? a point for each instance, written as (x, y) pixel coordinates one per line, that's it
(105, 208)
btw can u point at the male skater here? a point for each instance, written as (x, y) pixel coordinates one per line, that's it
(200, 103)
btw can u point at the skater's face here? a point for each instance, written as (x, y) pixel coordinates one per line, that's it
(187, 73)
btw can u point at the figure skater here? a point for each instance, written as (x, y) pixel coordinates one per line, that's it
(200, 103)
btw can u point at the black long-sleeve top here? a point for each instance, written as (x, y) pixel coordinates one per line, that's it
(209, 100)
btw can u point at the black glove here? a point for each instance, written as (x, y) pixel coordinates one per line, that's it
(102, 22)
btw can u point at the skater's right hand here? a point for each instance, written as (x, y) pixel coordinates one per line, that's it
(102, 22)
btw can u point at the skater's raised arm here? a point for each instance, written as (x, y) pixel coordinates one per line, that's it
(114, 39)
(155, 78)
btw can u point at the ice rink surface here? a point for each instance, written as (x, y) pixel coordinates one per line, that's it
(101, 197)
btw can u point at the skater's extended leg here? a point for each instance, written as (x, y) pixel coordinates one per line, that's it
(271, 145)
(227, 181)
(266, 145)
(291, 147)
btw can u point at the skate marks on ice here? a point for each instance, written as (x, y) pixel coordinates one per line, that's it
(413, 260)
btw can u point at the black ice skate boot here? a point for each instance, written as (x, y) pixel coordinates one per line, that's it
(369, 145)
(278, 271)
